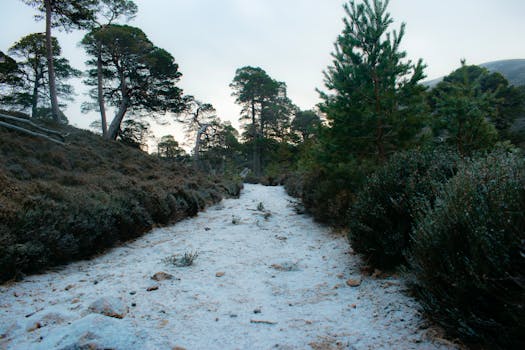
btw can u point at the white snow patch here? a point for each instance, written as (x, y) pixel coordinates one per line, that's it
(283, 288)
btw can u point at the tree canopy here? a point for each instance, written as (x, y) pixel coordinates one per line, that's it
(374, 104)
(31, 88)
(138, 76)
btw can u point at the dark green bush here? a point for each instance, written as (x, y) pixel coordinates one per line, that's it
(381, 217)
(468, 253)
(327, 192)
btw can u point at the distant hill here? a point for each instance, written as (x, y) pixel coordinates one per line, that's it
(512, 70)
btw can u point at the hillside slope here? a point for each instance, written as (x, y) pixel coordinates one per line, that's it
(60, 203)
(512, 70)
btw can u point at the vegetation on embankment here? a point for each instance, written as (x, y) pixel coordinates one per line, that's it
(61, 203)
(431, 181)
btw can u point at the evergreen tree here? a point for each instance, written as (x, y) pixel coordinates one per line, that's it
(375, 104)
(138, 76)
(305, 124)
(68, 14)
(254, 89)
(108, 12)
(31, 90)
(506, 101)
(463, 110)
(168, 147)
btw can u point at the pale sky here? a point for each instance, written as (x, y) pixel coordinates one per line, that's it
(290, 39)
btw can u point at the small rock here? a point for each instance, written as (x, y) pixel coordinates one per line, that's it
(366, 270)
(69, 286)
(220, 274)
(353, 283)
(207, 229)
(161, 276)
(233, 316)
(341, 276)
(377, 273)
(133, 304)
(257, 311)
(109, 306)
(34, 327)
(152, 288)
(132, 293)
(75, 301)
(353, 306)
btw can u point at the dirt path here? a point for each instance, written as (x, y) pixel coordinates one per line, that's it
(265, 278)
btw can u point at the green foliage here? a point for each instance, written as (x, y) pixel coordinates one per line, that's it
(381, 217)
(110, 10)
(468, 252)
(67, 14)
(464, 102)
(375, 104)
(168, 147)
(138, 76)
(266, 110)
(305, 124)
(328, 191)
(134, 133)
(30, 82)
(8, 71)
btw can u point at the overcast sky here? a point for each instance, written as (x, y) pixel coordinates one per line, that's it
(290, 39)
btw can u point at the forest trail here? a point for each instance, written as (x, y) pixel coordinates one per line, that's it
(265, 278)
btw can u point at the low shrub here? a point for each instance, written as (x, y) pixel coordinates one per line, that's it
(468, 253)
(381, 217)
(185, 260)
(327, 192)
(62, 203)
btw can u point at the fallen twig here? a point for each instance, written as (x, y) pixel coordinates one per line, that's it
(263, 322)
(34, 312)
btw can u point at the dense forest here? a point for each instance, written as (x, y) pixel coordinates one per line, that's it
(425, 180)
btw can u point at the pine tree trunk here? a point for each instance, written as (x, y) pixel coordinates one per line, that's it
(379, 131)
(114, 128)
(34, 99)
(101, 103)
(51, 66)
(256, 160)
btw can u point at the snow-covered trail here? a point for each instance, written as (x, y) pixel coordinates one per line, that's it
(258, 283)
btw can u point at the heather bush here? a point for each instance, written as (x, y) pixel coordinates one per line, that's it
(468, 253)
(327, 192)
(381, 217)
(59, 204)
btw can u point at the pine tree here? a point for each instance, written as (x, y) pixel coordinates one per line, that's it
(375, 104)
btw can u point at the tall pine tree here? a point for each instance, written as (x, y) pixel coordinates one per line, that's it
(374, 104)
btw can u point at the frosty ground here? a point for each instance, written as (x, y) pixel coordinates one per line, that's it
(265, 277)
